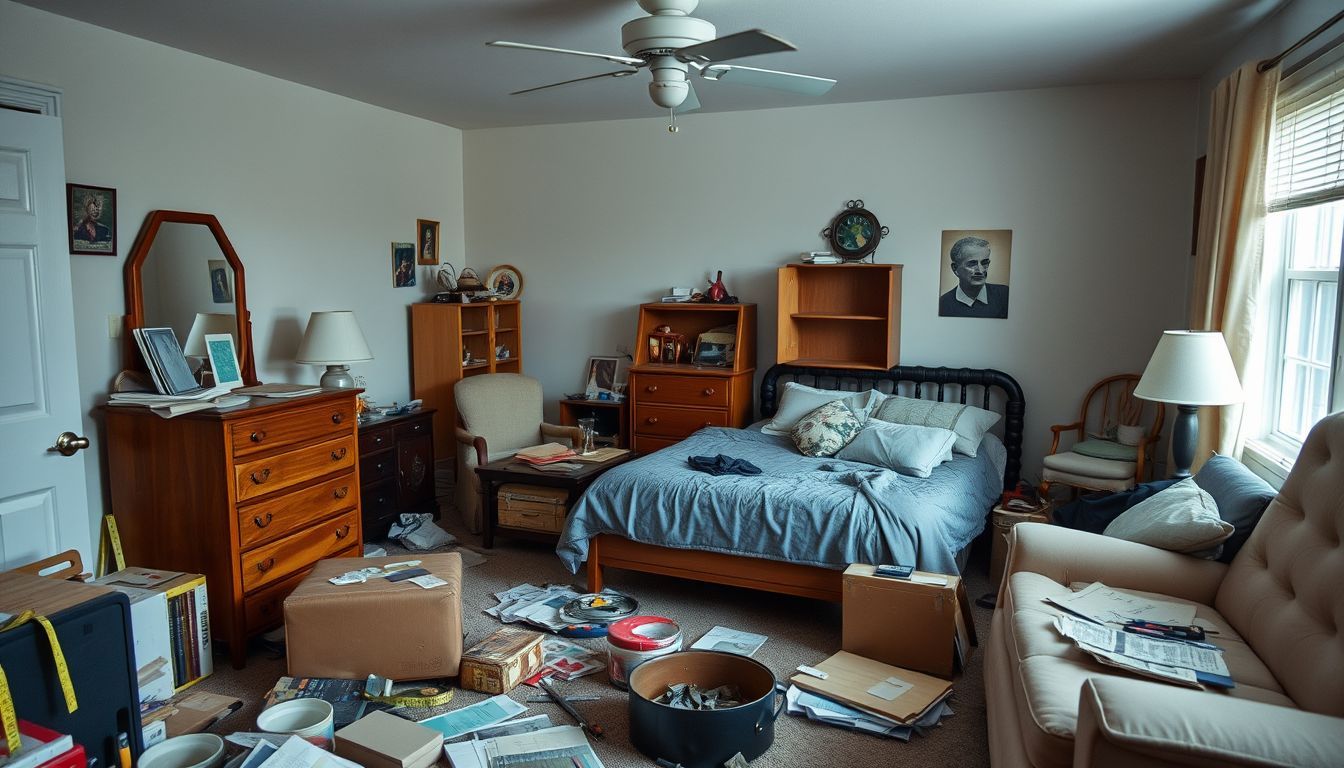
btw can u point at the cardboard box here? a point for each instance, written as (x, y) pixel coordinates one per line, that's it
(907, 624)
(532, 507)
(1003, 521)
(170, 616)
(399, 630)
(380, 740)
(499, 662)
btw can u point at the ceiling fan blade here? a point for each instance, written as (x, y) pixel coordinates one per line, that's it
(614, 59)
(768, 78)
(691, 103)
(618, 73)
(752, 42)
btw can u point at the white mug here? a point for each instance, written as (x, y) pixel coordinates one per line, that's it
(195, 750)
(310, 719)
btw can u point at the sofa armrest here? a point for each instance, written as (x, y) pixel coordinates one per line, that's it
(1067, 555)
(1127, 722)
(573, 434)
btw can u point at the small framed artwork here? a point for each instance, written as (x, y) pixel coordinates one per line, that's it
(601, 376)
(976, 264)
(223, 360)
(427, 242)
(403, 265)
(91, 219)
(714, 348)
(220, 288)
(506, 281)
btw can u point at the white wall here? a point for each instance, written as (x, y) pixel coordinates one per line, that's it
(1096, 184)
(310, 187)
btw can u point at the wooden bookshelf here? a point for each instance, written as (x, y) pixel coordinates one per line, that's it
(840, 315)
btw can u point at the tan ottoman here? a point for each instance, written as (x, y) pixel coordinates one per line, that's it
(398, 630)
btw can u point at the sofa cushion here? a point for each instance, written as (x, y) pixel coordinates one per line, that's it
(1090, 466)
(1241, 497)
(1182, 518)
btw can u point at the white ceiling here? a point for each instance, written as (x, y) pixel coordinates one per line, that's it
(428, 58)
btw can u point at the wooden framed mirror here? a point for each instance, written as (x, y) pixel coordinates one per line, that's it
(183, 272)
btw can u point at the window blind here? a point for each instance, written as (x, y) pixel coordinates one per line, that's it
(1306, 159)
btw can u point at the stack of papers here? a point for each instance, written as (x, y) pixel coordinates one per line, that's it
(564, 660)
(1105, 605)
(482, 714)
(169, 406)
(293, 753)
(561, 745)
(545, 454)
(538, 606)
(823, 710)
(1175, 661)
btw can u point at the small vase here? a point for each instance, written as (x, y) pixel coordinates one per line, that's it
(717, 293)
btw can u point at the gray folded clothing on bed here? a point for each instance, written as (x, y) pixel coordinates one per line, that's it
(722, 465)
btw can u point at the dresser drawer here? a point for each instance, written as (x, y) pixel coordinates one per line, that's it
(268, 520)
(421, 427)
(273, 473)
(264, 433)
(265, 608)
(379, 500)
(374, 439)
(682, 390)
(675, 422)
(271, 562)
(646, 444)
(379, 466)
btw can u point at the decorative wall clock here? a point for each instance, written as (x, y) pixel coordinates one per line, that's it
(854, 232)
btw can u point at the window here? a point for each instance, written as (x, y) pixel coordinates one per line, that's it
(1304, 240)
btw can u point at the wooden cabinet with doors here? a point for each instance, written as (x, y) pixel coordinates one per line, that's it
(840, 315)
(251, 497)
(450, 342)
(396, 470)
(670, 400)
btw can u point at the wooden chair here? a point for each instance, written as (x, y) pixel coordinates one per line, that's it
(66, 565)
(1095, 460)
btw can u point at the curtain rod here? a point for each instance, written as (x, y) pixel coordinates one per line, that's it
(1268, 64)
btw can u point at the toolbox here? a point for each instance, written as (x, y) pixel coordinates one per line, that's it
(532, 507)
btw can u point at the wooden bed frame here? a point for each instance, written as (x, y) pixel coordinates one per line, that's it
(997, 391)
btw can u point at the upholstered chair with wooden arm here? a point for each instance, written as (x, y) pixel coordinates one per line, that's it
(1086, 454)
(498, 414)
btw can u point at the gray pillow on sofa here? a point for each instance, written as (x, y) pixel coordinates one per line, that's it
(1241, 497)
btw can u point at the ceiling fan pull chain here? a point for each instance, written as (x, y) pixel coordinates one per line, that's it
(672, 115)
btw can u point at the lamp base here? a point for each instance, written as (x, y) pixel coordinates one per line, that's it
(1183, 436)
(337, 377)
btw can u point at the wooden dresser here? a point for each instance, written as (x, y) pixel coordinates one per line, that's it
(669, 401)
(250, 497)
(396, 470)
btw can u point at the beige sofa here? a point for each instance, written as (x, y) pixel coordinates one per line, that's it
(1278, 609)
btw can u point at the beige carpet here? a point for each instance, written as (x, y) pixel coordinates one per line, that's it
(801, 631)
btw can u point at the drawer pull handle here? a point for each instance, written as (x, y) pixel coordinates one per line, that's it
(653, 419)
(263, 476)
(259, 523)
(337, 418)
(651, 388)
(343, 531)
(418, 427)
(378, 467)
(257, 436)
(266, 565)
(341, 492)
(338, 454)
(709, 391)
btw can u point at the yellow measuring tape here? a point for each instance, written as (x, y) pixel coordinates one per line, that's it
(8, 716)
(114, 539)
(431, 696)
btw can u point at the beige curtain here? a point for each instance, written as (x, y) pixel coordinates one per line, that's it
(1225, 293)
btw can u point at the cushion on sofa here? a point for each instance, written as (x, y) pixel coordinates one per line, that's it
(798, 400)
(1182, 518)
(1241, 497)
(1094, 511)
(906, 448)
(970, 423)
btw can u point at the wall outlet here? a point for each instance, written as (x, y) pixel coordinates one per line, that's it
(114, 326)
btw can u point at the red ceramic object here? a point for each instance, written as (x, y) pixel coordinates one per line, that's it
(716, 291)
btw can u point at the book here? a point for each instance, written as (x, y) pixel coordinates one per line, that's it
(382, 740)
(165, 357)
(345, 696)
(539, 453)
(36, 745)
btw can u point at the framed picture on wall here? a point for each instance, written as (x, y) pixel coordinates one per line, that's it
(91, 219)
(427, 241)
(975, 267)
(403, 265)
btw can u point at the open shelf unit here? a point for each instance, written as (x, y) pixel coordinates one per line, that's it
(840, 315)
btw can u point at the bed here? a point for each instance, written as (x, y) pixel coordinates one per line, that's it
(796, 526)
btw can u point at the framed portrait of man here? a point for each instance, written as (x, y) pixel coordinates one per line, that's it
(91, 219)
(974, 266)
(426, 242)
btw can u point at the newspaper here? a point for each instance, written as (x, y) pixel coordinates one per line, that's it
(1186, 663)
(1107, 605)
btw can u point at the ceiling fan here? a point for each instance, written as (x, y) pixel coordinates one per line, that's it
(671, 43)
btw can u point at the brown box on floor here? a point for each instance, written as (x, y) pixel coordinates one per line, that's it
(499, 662)
(924, 627)
(399, 630)
(533, 507)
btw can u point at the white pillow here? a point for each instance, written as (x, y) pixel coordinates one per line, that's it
(970, 423)
(798, 400)
(1181, 518)
(906, 448)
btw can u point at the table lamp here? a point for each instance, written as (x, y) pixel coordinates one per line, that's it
(1189, 369)
(333, 339)
(208, 322)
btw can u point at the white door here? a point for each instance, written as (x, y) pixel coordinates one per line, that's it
(43, 506)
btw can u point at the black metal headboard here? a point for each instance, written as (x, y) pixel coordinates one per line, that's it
(921, 381)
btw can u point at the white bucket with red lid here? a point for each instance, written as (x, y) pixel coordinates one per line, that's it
(634, 640)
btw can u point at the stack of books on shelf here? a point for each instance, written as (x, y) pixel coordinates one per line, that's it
(821, 257)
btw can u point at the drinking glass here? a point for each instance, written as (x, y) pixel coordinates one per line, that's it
(589, 428)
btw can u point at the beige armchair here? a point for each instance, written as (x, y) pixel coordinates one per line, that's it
(498, 414)
(1099, 464)
(1276, 610)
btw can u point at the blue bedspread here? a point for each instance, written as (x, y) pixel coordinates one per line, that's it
(823, 512)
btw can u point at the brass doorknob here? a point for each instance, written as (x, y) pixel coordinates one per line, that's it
(68, 444)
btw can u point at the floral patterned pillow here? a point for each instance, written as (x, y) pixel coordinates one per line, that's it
(825, 430)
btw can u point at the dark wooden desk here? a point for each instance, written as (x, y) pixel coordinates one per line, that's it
(509, 470)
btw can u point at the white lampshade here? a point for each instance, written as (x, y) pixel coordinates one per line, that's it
(1190, 368)
(333, 338)
(209, 322)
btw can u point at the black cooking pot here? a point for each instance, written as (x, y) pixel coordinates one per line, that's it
(703, 738)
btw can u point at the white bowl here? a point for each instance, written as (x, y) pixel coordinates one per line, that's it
(195, 750)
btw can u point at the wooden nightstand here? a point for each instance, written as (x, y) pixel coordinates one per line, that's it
(396, 469)
(1003, 521)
